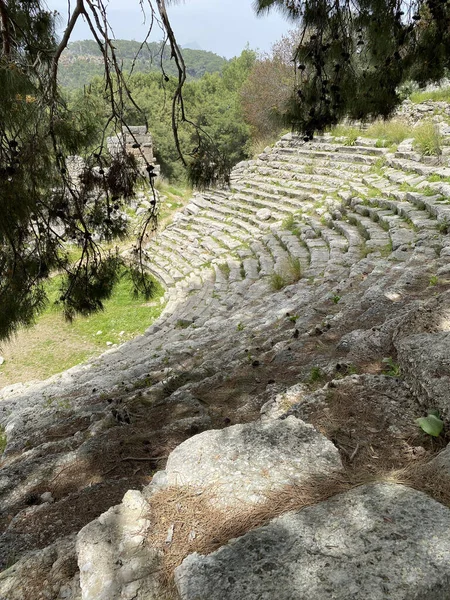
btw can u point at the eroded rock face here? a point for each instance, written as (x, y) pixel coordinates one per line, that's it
(50, 573)
(422, 342)
(377, 541)
(245, 462)
(113, 557)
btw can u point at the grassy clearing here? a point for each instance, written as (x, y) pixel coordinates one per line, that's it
(440, 95)
(175, 198)
(53, 344)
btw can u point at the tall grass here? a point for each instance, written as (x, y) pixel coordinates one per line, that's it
(391, 132)
(427, 139)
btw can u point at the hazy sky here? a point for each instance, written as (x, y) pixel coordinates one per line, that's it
(221, 26)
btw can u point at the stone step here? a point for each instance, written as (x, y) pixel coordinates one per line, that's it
(376, 238)
(410, 166)
(276, 172)
(183, 254)
(240, 213)
(265, 258)
(330, 156)
(295, 187)
(290, 167)
(438, 206)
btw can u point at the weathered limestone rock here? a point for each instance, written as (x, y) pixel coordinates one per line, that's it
(263, 214)
(114, 560)
(374, 542)
(244, 462)
(50, 573)
(276, 407)
(422, 342)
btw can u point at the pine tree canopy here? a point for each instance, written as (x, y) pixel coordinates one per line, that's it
(352, 57)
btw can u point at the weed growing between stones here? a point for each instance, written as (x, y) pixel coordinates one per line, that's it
(3, 440)
(291, 272)
(434, 280)
(315, 375)
(288, 222)
(225, 269)
(391, 368)
(277, 281)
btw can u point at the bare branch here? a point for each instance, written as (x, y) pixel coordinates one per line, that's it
(78, 10)
(4, 30)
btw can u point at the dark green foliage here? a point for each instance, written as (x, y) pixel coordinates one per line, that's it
(354, 55)
(41, 207)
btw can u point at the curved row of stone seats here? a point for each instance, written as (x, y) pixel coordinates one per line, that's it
(322, 203)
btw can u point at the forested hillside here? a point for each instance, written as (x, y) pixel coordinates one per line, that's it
(82, 61)
(213, 105)
(234, 108)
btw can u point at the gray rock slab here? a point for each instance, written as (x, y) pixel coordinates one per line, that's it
(425, 362)
(263, 214)
(245, 462)
(422, 341)
(375, 542)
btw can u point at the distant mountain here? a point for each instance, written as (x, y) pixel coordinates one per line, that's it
(82, 61)
(192, 46)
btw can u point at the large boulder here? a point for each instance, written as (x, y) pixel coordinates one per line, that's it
(374, 542)
(245, 462)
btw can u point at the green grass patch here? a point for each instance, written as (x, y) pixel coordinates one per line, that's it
(3, 439)
(435, 178)
(53, 345)
(175, 197)
(441, 95)
(350, 133)
(225, 269)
